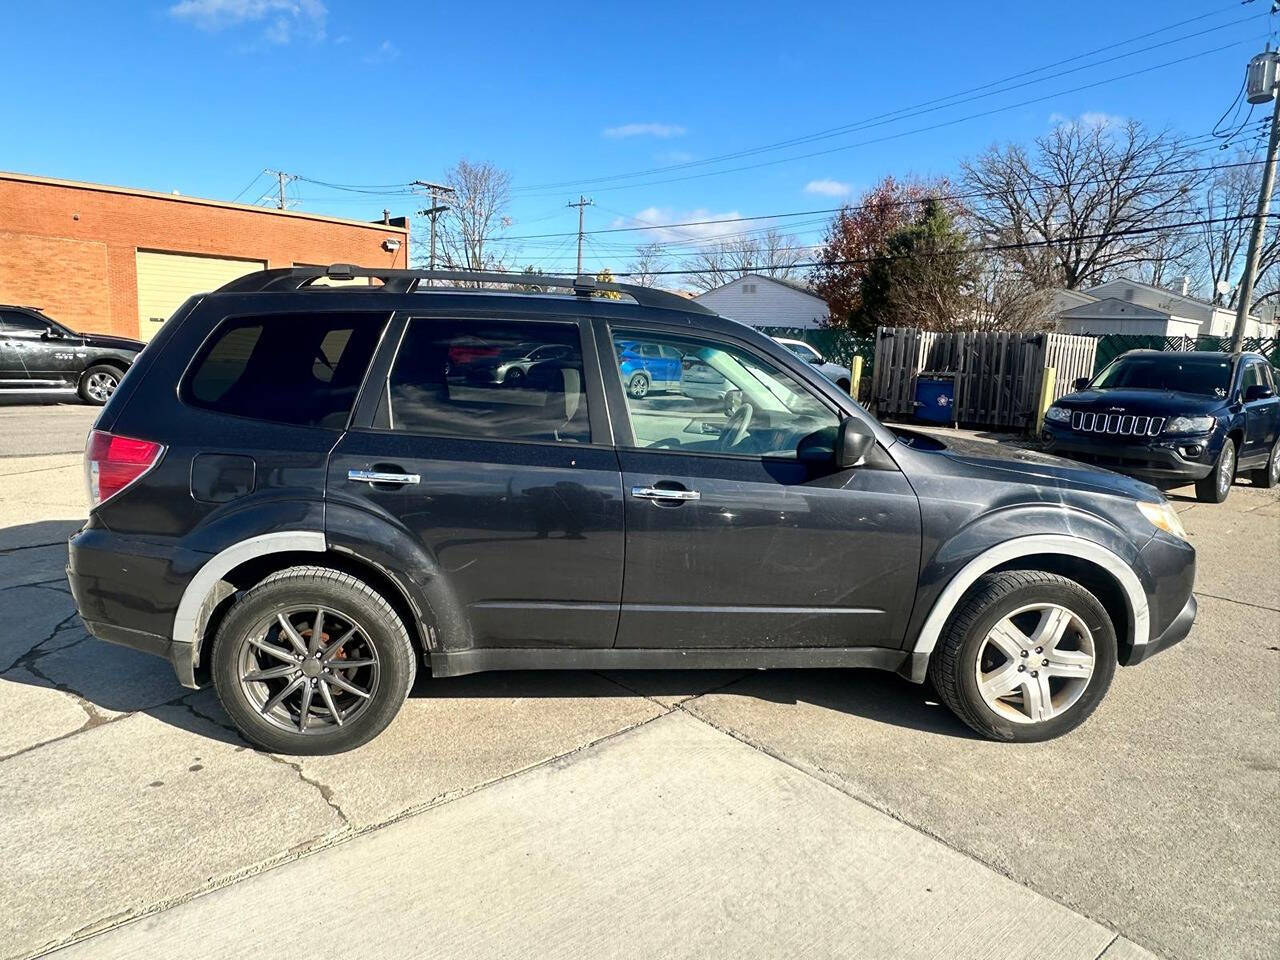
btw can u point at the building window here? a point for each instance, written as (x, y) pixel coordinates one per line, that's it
(748, 288)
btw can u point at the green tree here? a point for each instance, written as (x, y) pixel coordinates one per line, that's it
(924, 277)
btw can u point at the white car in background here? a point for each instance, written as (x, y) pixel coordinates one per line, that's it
(839, 375)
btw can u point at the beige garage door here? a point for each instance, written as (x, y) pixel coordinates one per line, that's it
(165, 280)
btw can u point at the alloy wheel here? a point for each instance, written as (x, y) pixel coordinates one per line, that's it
(100, 386)
(639, 387)
(1227, 468)
(1035, 663)
(1274, 466)
(308, 670)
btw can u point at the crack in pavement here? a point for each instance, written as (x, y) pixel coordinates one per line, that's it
(1243, 603)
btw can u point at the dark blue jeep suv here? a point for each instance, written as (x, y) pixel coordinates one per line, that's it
(304, 493)
(1174, 419)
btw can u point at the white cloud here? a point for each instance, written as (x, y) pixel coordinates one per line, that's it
(386, 51)
(661, 130)
(698, 229)
(1090, 118)
(828, 188)
(282, 20)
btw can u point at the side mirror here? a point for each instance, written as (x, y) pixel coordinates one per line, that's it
(853, 442)
(1080, 383)
(1257, 391)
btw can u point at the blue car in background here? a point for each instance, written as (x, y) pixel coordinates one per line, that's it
(648, 366)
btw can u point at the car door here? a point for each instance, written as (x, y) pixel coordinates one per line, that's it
(512, 488)
(13, 368)
(1261, 412)
(735, 540)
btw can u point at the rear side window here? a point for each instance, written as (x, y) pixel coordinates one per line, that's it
(490, 380)
(298, 368)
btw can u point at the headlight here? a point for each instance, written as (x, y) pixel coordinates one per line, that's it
(1190, 425)
(1165, 517)
(1058, 414)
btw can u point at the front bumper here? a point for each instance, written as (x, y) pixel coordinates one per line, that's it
(1164, 459)
(1176, 632)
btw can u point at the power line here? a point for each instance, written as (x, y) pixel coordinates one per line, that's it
(926, 106)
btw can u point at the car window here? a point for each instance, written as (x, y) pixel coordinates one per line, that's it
(495, 380)
(1253, 376)
(1183, 373)
(22, 325)
(802, 350)
(727, 400)
(651, 350)
(303, 369)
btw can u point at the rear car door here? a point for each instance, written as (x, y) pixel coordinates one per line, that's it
(510, 484)
(734, 540)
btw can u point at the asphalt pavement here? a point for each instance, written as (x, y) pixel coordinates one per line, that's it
(779, 813)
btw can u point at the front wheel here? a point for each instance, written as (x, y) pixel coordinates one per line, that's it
(1215, 487)
(1027, 656)
(99, 383)
(312, 660)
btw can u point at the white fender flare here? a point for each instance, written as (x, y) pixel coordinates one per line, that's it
(1139, 626)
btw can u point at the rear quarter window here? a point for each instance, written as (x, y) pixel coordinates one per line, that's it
(297, 368)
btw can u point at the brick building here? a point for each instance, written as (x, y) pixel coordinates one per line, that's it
(114, 260)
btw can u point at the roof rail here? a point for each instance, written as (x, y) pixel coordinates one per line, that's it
(407, 281)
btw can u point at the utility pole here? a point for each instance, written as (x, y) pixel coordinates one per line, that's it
(283, 179)
(1260, 82)
(434, 212)
(583, 202)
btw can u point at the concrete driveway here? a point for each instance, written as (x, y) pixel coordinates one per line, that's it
(827, 813)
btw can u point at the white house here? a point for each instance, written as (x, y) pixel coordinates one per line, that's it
(1130, 306)
(761, 301)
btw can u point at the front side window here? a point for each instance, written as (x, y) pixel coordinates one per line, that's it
(303, 369)
(1253, 377)
(489, 380)
(726, 400)
(22, 325)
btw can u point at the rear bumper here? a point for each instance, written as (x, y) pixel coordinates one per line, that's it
(1156, 460)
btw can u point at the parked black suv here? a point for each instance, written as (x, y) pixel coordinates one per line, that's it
(300, 491)
(39, 354)
(1174, 419)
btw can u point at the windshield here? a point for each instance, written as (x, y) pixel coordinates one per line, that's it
(1205, 376)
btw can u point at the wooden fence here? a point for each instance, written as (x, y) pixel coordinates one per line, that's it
(998, 376)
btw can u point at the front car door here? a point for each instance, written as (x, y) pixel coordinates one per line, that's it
(1261, 413)
(514, 488)
(13, 367)
(736, 539)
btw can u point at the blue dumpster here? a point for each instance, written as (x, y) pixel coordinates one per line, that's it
(936, 397)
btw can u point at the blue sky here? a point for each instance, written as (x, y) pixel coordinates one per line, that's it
(201, 95)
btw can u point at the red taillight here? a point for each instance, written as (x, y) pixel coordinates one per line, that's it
(111, 463)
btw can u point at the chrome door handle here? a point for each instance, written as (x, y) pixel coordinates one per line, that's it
(658, 493)
(373, 476)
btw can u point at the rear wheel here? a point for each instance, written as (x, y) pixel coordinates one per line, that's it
(97, 384)
(1268, 476)
(638, 386)
(1215, 487)
(312, 661)
(1027, 656)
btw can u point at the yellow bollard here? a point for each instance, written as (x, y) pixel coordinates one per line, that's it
(1046, 395)
(855, 377)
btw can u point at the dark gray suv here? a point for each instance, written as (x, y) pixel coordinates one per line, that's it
(303, 492)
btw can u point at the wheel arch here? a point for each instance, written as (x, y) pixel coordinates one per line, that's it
(1109, 576)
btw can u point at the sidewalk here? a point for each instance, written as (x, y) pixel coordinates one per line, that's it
(670, 840)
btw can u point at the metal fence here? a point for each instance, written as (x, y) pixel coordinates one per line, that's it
(1112, 345)
(998, 376)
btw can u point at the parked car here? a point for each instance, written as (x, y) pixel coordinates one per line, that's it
(648, 366)
(837, 374)
(294, 499)
(1175, 418)
(38, 354)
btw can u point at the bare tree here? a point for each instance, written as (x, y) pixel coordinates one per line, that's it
(648, 261)
(1230, 197)
(1090, 201)
(477, 213)
(772, 255)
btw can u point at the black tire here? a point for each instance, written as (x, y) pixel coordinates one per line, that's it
(98, 383)
(347, 597)
(953, 666)
(1215, 487)
(1269, 475)
(638, 386)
